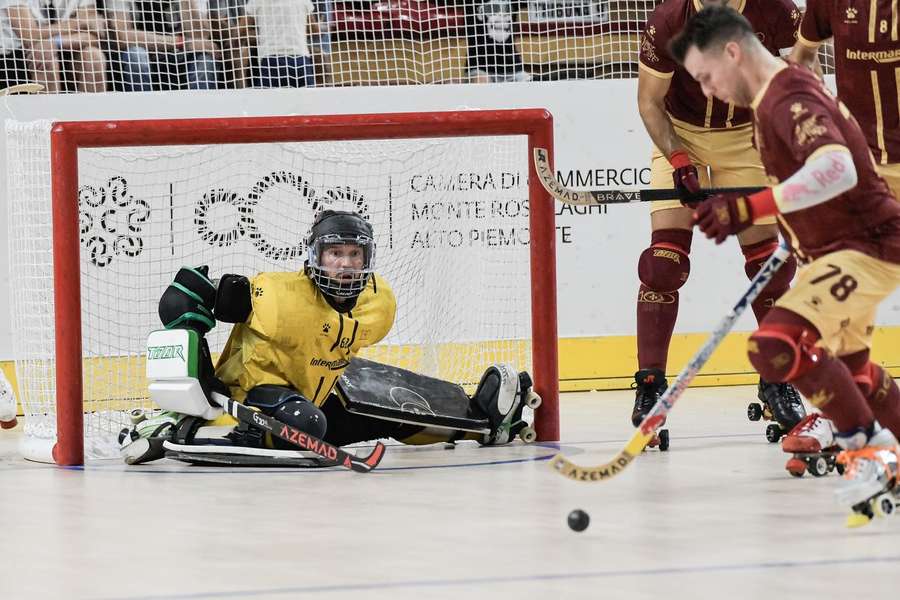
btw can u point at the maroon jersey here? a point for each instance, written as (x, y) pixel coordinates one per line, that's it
(795, 116)
(867, 57)
(775, 23)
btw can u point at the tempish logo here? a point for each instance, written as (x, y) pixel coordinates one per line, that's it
(670, 254)
(331, 364)
(295, 436)
(164, 352)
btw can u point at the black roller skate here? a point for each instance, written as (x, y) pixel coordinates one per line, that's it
(649, 385)
(779, 402)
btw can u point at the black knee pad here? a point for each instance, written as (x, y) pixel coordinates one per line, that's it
(290, 408)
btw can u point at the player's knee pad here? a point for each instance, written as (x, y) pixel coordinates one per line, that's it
(783, 349)
(290, 408)
(189, 300)
(665, 265)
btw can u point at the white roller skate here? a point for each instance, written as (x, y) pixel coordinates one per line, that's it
(812, 444)
(503, 393)
(7, 404)
(869, 487)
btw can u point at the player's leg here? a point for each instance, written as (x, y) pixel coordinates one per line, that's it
(375, 400)
(830, 309)
(891, 174)
(663, 268)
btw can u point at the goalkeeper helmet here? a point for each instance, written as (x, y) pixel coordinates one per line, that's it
(341, 253)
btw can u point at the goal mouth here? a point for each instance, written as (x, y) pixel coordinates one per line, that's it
(464, 230)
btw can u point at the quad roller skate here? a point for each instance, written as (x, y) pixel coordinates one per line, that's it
(779, 402)
(503, 394)
(812, 445)
(649, 385)
(871, 482)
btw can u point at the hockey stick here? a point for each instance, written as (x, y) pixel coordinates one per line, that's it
(591, 197)
(646, 430)
(300, 439)
(22, 88)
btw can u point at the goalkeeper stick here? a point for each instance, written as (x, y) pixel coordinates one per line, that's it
(298, 438)
(647, 429)
(22, 88)
(591, 197)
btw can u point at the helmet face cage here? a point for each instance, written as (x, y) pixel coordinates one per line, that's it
(345, 282)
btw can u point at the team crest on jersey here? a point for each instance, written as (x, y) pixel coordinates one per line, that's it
(326, 327)
(795, 15)
(808, 130)
(850, 16)
(648, 51)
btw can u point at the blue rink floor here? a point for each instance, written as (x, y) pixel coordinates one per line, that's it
(715, 516)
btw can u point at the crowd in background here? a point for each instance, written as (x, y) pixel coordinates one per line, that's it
(149, 45)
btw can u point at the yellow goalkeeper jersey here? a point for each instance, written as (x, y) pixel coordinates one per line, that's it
(294, 338)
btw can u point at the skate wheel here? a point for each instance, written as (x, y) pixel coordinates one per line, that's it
(796, 466)
(754, 411)
(532, 400)
(528, 435)
(774, 433)
(839, 467)
(817, 466)
(883, 505)
(663, 440)
(137, 415)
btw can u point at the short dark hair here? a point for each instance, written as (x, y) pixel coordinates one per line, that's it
(714, 25)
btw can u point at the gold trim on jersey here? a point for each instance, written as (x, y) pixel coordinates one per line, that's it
(654, 72)
(698, 5)
(826, 148)
(707, 120)
(879, 117)
(765, 87)
(873, 18)
(728, 123)
(894, 20)
(794, 240)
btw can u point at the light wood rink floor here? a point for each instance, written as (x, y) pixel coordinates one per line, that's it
(715, 517)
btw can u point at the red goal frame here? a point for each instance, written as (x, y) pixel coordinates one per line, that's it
(67, 137)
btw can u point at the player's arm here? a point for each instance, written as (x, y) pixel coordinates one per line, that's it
(194, 301)
(652, 90)
(814, 28)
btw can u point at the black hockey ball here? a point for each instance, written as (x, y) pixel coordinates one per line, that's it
(579, 520)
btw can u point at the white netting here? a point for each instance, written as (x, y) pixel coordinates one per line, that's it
(142, 45)
(451, 222)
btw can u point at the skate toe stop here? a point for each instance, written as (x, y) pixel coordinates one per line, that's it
(857, 520)
(8, 424)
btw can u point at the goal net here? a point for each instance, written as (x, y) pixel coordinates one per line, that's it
(465, 243)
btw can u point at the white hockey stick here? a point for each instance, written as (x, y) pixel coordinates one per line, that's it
(591, 197)
(22, 88)
(654, 419)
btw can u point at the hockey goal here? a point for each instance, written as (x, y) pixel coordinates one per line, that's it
(465, 237)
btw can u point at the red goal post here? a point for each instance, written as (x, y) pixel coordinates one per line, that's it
(68, 137)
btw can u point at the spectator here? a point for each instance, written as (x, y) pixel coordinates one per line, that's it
(236, 40)
(493, 56)
(13, 67)
(281, 36)
(55, 33)
(163, 44)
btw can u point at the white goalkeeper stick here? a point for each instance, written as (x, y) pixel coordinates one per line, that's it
(591, 197)
(654, 419)
(22, 88)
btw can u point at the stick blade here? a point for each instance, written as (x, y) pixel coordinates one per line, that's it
(22, 88)
(605, 471)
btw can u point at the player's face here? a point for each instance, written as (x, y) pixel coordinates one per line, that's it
(718, 72)
(343, 261)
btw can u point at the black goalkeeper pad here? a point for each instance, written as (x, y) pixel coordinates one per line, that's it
(233, 456)
(385, 392)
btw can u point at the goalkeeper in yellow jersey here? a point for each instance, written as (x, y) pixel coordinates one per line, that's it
(292, 354)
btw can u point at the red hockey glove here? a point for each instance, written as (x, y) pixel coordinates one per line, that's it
(729, 214)
(685, 177)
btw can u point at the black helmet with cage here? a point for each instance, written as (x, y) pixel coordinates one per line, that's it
(336, 228)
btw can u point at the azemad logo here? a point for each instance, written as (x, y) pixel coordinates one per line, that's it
(164, 352)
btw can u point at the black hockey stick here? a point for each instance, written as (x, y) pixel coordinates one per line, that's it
(298, 438)
(654, 419)
(591, 197)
